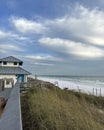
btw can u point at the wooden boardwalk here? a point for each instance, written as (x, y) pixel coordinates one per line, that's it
(11, 117)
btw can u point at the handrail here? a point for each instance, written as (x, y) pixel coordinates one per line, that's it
(11, 117)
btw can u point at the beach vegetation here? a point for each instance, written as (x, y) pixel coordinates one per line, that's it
(50, 108)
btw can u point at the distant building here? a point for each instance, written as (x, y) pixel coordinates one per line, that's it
(11, 71)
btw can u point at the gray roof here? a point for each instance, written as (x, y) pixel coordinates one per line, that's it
(10, 59)
(13, 70)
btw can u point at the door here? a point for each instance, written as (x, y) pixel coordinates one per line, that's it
(20, 78)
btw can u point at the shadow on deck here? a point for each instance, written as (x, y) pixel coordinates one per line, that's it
(5, 93)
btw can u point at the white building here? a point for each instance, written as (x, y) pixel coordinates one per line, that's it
(11, 71)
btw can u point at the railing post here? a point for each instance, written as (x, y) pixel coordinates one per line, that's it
(93, 91)
(96, 91)
(100, 91)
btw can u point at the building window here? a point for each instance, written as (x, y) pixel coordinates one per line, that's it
(20, 63)
(4, 63)
(15, 63)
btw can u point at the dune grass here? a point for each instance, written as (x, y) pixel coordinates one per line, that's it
(56, 109)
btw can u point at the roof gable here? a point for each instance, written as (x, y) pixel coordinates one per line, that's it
(11, 59)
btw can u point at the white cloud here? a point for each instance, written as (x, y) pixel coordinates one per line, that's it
(84, 24)
(11, 35)
(18, 37)
(79, 33)
(43, 64)
(27, 26)
(3, 34)
(10, 47)
(71, 47)
(39, 57)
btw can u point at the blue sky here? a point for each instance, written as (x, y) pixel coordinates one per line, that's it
(54, 37)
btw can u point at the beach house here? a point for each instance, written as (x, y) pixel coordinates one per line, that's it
(10, 71)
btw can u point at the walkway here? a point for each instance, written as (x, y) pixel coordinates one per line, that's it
(11, 117)
(6, 93)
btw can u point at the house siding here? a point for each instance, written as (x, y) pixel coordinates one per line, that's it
(5, 77)
(14, 77)
(9, 64)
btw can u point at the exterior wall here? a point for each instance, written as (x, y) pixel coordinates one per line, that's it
(14, 77)
(10, 64)
(25, 78)
(8, 77)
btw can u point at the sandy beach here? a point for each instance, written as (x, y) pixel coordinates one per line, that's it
(90, 88)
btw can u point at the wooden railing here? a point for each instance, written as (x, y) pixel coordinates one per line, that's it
(11, 117)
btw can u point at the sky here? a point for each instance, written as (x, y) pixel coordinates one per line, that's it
(54, 37)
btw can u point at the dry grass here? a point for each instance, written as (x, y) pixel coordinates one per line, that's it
(55, 109)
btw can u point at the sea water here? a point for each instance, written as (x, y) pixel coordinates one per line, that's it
(88, 84)
(89, 80)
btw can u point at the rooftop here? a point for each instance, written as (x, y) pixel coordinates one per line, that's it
(13, 70)
(10, 59)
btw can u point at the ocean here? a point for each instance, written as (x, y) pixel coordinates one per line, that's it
(98, 80)
(87, 84)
